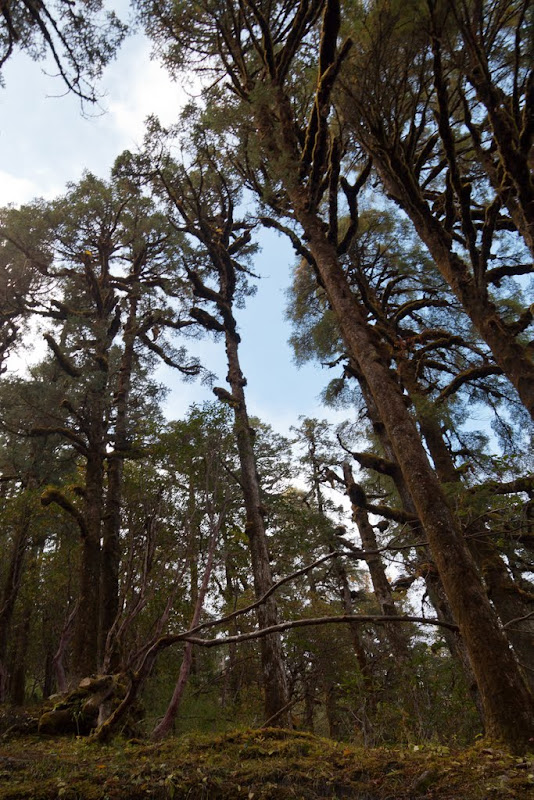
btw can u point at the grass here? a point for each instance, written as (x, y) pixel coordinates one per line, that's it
(268, 764)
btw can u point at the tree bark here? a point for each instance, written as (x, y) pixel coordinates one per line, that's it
(17, 689)
(86, 658)
(508, 705)
(10, 592)
(59, 655)
(434, 585)
(274, 677)
(381, 587)
(111, 551)
(509, 600)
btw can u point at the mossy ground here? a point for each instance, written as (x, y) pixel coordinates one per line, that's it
(257, 765)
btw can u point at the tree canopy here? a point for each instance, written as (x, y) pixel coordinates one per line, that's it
(78, 38)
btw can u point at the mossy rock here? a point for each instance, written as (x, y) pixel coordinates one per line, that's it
(77, 712)
(62, 721)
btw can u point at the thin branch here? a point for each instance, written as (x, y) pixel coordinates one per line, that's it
(518, 619)
(483, 371)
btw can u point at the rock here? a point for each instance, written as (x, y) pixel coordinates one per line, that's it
(61, 721)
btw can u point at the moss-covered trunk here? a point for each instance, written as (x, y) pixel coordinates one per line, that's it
(508, 704)
(111, 551)
(86, 634)
(434, 585)
(10, 591)
(274, 677)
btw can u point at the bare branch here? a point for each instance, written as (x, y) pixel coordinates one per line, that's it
(303, 623)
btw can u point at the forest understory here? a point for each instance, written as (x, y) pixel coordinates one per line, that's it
(261, 764)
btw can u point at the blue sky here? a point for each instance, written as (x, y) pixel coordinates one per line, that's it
(45, 141)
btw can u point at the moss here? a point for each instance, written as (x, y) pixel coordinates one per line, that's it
(76, 712)
(268, 764)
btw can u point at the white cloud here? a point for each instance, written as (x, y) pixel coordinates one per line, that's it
(148, 89)
(19, 190)
(16, 190)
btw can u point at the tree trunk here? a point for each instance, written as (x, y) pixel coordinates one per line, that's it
(509, 600)
(85, 658)
(274, 677)
(354, 628)
(48, 678)
(111, 551)
(434, 585)
(309, 702)
(233, 673)
(511, 603)
(59, 655)
(333, 715)
(10, 592)
(381, 587)
(17, 689)
(508, 705)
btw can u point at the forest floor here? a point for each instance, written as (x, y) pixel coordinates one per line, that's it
(268, 764)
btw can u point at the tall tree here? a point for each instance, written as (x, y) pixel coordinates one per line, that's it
(291, 158)
(204, 202)
(435, 367)
(110, 252)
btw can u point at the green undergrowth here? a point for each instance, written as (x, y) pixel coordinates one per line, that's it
(267, 764)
